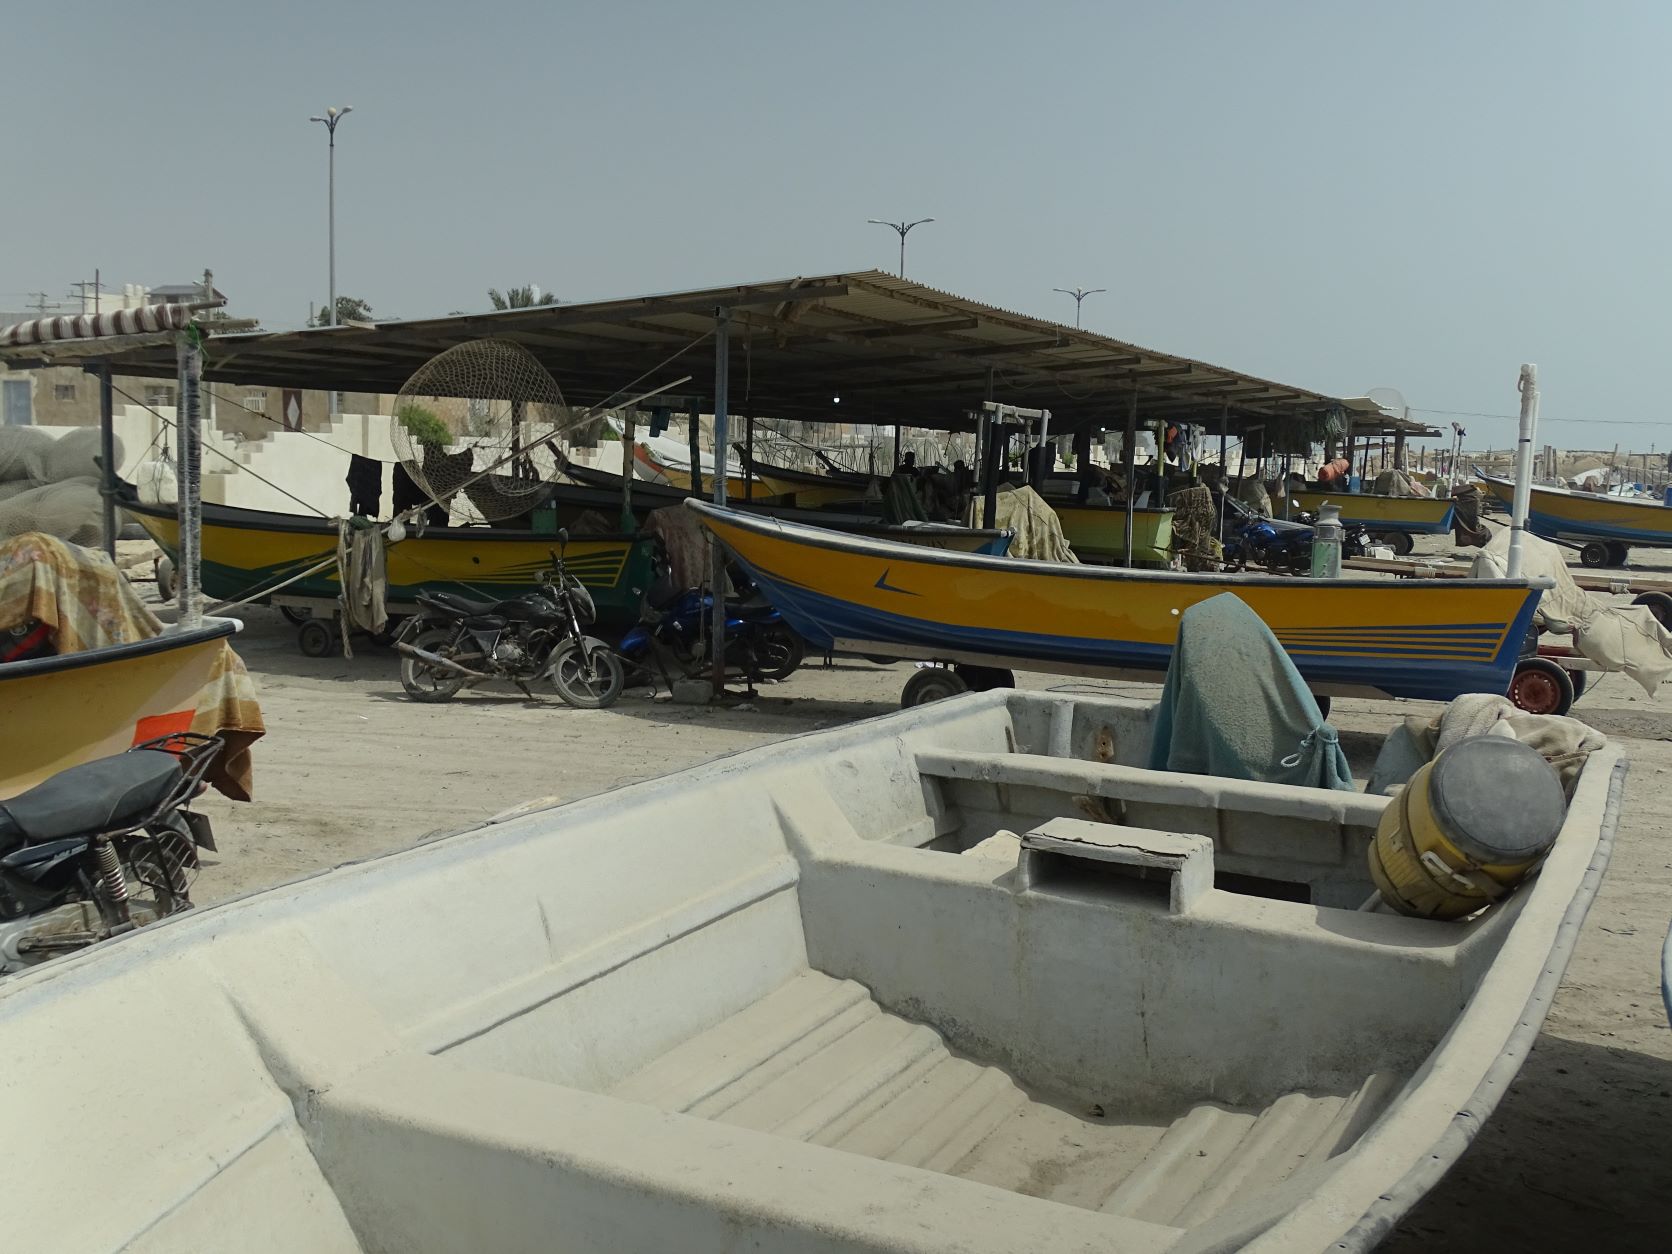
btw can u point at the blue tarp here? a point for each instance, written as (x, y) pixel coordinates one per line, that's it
(1235, 706)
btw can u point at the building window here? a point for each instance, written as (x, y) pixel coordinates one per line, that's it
(256, 399)
(159, 397)
(63, 391)
(15, 400)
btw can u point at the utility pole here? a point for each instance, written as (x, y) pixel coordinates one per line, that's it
(333, 115)
(39, 302)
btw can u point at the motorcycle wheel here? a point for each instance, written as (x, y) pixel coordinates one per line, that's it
(776, 653)
(428, 683)
(568, 672)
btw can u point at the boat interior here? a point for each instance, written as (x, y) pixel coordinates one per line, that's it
(966, 977)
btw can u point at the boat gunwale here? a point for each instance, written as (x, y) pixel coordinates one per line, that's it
(819, 537)
(170, 638)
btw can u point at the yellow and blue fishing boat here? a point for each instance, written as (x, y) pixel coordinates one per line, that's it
(247, 550)
(1608, 525)
(601, 492)
(1426, 638)
(1385, 515)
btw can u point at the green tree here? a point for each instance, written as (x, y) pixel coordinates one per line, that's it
(521, 297)
(349, 309)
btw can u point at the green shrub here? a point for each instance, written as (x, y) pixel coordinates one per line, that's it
(424, 427)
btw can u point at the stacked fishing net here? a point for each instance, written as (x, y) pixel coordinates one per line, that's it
(51, 485)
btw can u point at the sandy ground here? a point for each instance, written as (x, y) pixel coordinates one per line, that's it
(1574, 1158)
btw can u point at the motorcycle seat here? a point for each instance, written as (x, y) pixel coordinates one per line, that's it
(95, 796)
(453, 603)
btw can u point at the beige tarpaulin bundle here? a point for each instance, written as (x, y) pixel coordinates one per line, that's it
(1616, 638)
(1038, 533)
(1398, 483)
(81, 596)
(1563, 742)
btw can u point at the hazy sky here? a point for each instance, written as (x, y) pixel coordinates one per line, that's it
(1337, 195)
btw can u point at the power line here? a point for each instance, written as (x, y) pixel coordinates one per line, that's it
(1613, 422)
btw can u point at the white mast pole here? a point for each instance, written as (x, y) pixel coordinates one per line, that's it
(1528, 385)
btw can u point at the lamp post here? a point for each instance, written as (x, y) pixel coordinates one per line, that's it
(333, 115)
(904, 228)
(1079, 294)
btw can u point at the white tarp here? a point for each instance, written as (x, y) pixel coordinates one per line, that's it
(1617, 638)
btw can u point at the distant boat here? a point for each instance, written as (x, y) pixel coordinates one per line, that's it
(1385, 515)
(1428, 638)
(1608, 527)
(247, 550)
(864, 990)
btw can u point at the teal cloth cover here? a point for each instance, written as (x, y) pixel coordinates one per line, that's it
(1235, 706)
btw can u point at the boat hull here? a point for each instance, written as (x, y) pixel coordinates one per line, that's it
(1431, 639)
(246, 551)
(1098, 532)
(1556, 514)
(66, 710)
(1413, 515)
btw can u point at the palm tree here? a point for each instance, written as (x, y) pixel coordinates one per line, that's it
(521, 297)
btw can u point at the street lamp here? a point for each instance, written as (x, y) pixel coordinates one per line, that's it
(903, 228)
(1079, 294)
(333, 115)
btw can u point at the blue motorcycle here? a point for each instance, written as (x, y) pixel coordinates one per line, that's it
(1276, 544)
(672, 635)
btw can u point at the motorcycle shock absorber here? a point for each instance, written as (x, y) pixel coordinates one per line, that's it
(113, 884)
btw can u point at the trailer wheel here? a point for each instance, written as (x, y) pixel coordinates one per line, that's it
(1579, 679)
(315, 638)
(1596, 555)
(294, 616)
(1323, 705)
(985, 678)
(1399, 541)
(164, 570)
(932, 683)
(1539, 686)
(1660, 605)
(1617, 553)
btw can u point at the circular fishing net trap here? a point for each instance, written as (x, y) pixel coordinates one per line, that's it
(478, 428)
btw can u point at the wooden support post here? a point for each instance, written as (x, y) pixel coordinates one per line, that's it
(1129, 454)
(695, 444)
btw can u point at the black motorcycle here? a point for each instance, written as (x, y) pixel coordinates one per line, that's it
(454, 642)
(102, 848)
(1280, 546)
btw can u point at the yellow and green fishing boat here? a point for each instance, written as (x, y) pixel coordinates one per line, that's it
(1097, 533)
(1427, 638)
(247, 551)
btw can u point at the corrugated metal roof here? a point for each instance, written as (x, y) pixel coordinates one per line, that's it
(893, 350)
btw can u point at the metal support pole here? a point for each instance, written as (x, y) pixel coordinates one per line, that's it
(694, 444)
(717, 577)
(628, 436)
(1130, 455)
(107, 457)
(896, 446)
(993, 455)
(189, 482)
(1224, 469)
(1082, 463)
(748, 459)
